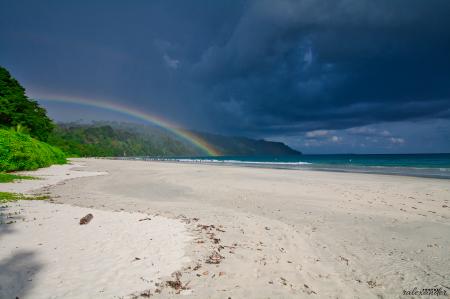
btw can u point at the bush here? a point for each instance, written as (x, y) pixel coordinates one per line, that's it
(19, 151)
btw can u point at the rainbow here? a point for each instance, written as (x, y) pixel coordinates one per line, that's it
(190, 137)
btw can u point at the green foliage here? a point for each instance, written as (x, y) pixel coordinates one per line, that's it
(17, 110)
(21, 152)
(107, 141)
(9, 197)
(112, 139)
(7, 177)
(20, 129)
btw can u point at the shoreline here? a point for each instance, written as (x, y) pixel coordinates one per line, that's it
(278, 232)
(376, 170)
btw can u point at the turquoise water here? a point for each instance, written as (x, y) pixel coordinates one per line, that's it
(424, 165)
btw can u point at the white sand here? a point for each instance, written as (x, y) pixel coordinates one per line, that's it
(291, 233)
(46, 253)
(282, 233)
(48, 176)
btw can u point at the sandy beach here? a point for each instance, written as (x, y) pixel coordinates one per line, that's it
(223, 232)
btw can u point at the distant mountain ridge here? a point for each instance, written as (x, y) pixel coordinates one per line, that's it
(103, 139)
(237, 146)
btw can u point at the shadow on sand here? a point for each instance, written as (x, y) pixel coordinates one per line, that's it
(18, 268)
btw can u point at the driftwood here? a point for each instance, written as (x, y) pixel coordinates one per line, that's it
(86, 219)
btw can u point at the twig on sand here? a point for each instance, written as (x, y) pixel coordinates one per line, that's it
(143, 219)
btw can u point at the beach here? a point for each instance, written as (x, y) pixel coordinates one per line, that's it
(221, 231)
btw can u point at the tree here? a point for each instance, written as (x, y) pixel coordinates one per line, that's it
(16, 109)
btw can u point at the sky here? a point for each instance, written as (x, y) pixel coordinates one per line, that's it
(323, 76)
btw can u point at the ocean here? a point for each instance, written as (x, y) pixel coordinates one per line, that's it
(421, 165)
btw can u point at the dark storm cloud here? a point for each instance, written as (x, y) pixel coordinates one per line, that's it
(334, 64)
(262, 68)
(113, 50)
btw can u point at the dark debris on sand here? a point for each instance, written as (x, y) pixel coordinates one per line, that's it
(86, 219)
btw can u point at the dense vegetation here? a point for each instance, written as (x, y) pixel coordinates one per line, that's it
(104, 140)
(19, 151)
(108, 139)
(24, 125)
(17, 110)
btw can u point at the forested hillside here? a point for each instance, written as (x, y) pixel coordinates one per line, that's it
(105, 139)
(232, 146)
